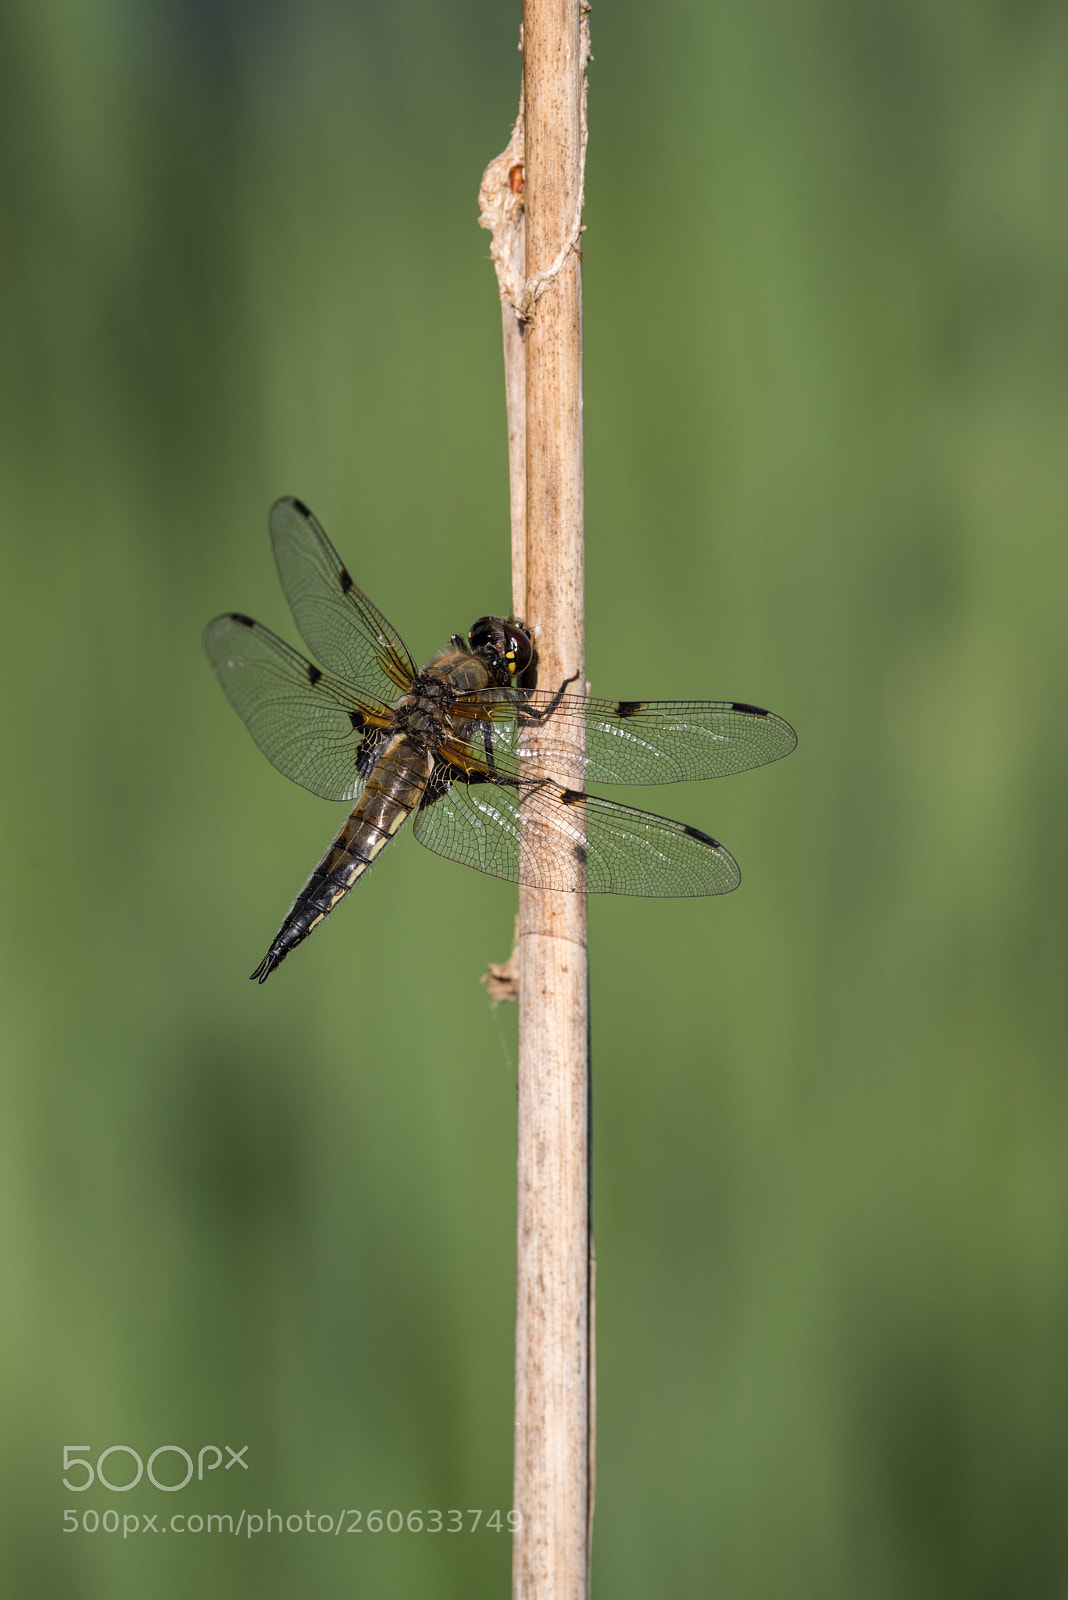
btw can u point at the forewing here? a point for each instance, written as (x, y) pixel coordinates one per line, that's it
(550, 837)
(317, 730)
(623, 741)
(336, 620)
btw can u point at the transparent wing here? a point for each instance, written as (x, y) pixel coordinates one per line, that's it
(549, 837)
(311, 726)
(336, 620)
(622, 741)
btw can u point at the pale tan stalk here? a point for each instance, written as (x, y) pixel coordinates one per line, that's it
(532, 200)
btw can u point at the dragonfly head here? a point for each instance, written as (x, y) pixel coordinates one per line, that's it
(504, 645)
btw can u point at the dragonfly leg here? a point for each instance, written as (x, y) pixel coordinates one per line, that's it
(528, 714)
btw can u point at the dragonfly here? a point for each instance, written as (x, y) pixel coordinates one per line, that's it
(494, 774)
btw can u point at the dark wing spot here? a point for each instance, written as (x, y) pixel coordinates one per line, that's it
(345, 581)
(369, 749)
(572, 797)
(754, 711)
(627, 708)
(239, 616)
(298, 505)
(313, 673)
(446, 773)
(441, 781)
(579, 853)
(702, 838)
(356, 718)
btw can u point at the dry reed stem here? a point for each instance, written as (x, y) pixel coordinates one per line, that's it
(531, 199)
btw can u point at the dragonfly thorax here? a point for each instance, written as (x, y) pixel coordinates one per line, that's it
(424, 711)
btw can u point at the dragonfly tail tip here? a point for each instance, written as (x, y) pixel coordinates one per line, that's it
(266, 967)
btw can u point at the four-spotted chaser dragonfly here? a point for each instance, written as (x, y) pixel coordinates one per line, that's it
(465, 750)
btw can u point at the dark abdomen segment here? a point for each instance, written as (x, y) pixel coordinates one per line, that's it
(393, 791)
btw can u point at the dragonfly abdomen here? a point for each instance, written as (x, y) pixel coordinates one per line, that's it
(393, 791)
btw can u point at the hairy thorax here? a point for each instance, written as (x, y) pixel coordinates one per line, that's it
(425, 713)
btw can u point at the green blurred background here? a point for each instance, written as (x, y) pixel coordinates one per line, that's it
(826, 346)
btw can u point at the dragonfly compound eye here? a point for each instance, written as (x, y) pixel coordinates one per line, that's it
(519, 648)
